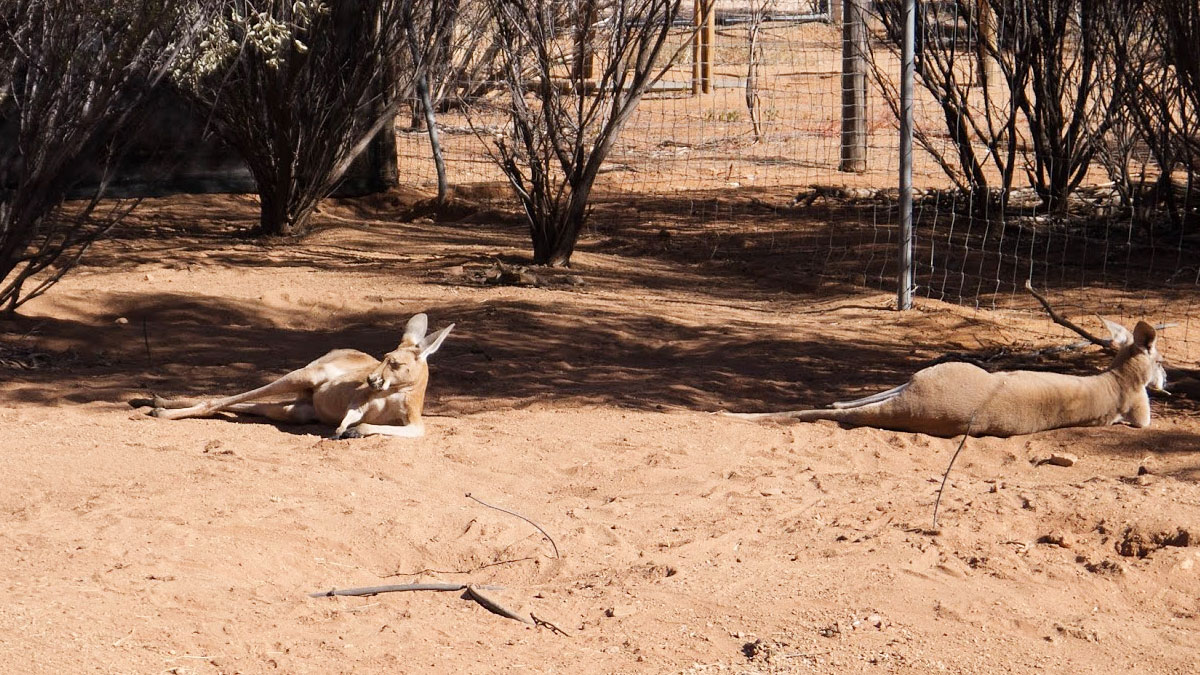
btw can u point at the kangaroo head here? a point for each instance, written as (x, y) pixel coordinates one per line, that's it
(407, 365)
(1137, 352)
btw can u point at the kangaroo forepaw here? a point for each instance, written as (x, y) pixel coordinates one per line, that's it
(349, 433)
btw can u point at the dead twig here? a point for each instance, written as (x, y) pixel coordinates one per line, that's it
(1057, 318)
(513, 513)
(542, 623)
(938, 502)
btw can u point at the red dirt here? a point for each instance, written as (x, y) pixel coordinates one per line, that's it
(690, 543)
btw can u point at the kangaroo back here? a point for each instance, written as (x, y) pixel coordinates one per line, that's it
(957, 398)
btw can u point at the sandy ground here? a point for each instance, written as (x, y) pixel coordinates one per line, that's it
(687, 542)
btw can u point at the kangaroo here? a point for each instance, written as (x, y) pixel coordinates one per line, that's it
(950, 399)
(355, 391)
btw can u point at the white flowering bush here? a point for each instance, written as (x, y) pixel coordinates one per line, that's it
(227, 32)
(297, 89)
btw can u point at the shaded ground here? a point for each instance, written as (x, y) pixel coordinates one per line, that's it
(689, 543)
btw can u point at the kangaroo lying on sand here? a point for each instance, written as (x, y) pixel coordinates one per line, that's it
(949, 398)
(355, 391)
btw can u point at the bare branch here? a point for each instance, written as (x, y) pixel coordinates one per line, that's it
(1057, 318)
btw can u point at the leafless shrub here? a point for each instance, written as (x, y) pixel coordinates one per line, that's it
(980, 112)
(1056, 95)
(1180, 37)
(1074, 91)
(563, 122)
(72, 72)
(1156, 134)
(298, 89)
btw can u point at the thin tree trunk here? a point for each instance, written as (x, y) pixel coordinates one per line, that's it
(435, 143)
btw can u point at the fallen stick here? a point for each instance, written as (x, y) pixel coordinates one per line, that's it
(394, 588)
(514, 513)
(471, 591)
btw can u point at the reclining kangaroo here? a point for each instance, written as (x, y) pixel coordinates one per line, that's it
(951, 398)
(355, 391)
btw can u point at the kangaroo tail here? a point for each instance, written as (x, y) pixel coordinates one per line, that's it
(797, 415)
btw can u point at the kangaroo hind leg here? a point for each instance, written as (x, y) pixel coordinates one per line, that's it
(295, 382)
(296, 412)
(156, 401)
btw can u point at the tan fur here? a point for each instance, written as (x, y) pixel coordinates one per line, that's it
(358, 393)
(946, 399)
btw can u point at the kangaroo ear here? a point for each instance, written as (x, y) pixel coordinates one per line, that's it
(1120, 334)
(431, 344)
(414, 330)
(1144, 335)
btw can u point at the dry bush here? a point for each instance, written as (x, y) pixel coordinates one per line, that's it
(1038, 95)
(563, 119)
(72, 74)
(298, 89)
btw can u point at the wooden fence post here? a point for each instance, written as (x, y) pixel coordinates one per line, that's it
(854, 86)
(704, 22)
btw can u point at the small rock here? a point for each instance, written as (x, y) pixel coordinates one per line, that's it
(1060, 539)
(1060, 459)
(455, 271)
(574, 280)
(618, 611)
(121, 321)
(147, 278)
(875, 620)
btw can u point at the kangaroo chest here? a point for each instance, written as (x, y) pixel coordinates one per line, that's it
(334, 399)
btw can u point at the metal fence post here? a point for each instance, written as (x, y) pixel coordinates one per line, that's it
(904, 289)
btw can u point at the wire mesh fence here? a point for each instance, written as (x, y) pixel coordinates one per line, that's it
(767, 143)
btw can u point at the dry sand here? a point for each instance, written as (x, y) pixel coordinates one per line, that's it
(689, 542)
